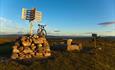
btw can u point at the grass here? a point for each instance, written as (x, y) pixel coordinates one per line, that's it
(89, 58)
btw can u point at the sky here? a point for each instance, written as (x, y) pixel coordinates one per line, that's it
(62, 17)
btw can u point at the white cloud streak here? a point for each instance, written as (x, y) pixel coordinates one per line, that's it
(8, 26)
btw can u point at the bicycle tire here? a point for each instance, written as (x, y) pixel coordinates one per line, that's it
(43, 32)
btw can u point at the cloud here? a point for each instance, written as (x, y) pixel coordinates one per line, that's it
(8, 26)
(56, 30)
(107, 23)
(87, 33)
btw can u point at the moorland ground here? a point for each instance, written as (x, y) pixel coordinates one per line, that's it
(89, 58)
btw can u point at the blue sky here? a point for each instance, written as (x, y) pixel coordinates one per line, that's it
(70, 17)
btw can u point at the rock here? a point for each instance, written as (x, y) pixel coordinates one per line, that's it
(33, 47)
(21, 48)
(47, 54)
(22, 56)
(71, 47)
(15, 56)
(26, 43)
(36, 41)
(28, 56)
(39, 54)
(27, 50)
(15, 49)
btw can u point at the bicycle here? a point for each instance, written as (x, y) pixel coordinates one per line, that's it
(41, 30)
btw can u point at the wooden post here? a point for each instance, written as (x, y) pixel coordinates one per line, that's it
(94, 36)
(95, 44)
(31, 32)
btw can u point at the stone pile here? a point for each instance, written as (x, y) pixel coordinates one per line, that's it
(28, 47)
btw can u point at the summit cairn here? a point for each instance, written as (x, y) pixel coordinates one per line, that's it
(33, 45)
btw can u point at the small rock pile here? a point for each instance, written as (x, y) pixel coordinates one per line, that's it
(28, 47)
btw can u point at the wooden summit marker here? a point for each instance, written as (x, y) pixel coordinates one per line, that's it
(31, 15)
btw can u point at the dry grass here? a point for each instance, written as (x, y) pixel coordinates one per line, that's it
(89, 58)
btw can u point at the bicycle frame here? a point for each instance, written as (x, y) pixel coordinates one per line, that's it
(41, 30)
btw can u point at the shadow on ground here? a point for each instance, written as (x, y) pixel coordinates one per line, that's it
(6, 49)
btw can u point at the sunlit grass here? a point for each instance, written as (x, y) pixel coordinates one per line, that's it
(89, 58)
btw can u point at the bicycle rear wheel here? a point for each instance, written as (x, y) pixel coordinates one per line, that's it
(42, 33)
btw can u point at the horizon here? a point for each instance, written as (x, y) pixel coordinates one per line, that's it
(5, 35)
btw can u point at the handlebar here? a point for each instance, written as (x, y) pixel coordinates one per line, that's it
(41, 25)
